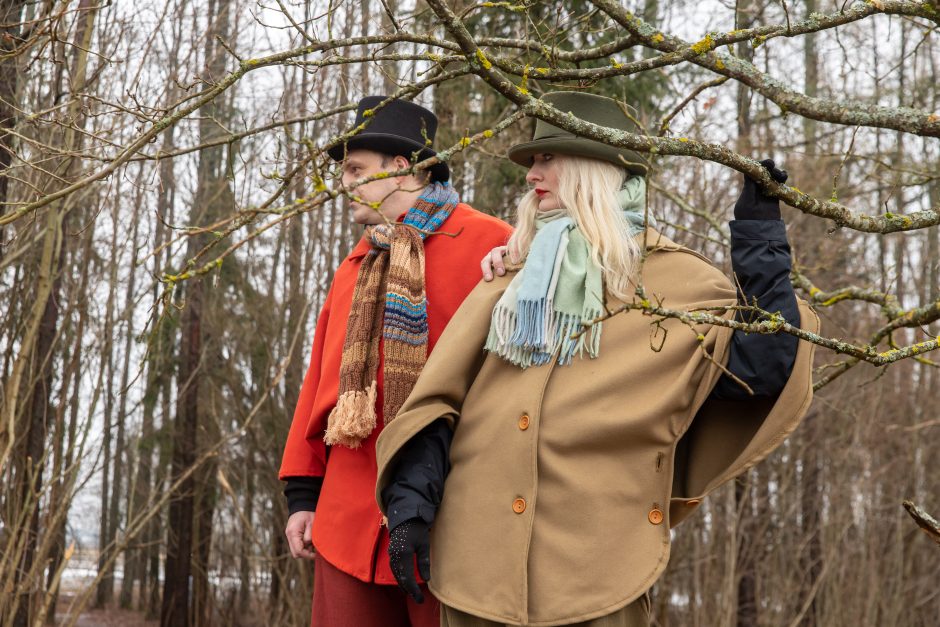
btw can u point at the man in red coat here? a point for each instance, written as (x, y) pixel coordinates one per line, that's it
(389, 302)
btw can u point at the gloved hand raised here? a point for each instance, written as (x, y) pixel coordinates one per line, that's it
(409, 539)
(753, 204)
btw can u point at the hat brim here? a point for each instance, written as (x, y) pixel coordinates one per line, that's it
(522, 153)
(391, 145)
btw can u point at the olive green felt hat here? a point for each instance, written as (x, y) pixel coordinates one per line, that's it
(600, 110)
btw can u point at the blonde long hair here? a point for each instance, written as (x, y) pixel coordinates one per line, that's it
(587, 189)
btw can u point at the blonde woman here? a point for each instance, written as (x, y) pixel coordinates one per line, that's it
(547, 448)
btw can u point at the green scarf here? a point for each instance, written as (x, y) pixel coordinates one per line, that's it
(557, 289)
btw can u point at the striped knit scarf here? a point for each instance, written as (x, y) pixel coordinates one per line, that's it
(395, 261)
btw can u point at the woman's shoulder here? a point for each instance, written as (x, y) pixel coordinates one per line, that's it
(668, 252)
(656, 242)
(688, 274)
(491, 290)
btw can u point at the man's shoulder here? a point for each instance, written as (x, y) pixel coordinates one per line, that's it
(470, 234)
(469, 218)
(348, 269)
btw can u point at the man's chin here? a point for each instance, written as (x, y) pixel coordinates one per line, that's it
(364, 215)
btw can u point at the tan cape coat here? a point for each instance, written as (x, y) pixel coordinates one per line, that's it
(565, 480)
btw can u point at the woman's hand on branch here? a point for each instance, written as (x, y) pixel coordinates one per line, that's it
(753, 203)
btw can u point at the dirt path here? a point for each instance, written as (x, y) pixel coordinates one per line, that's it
(104, 618)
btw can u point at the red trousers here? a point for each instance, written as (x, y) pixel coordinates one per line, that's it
(341, 600)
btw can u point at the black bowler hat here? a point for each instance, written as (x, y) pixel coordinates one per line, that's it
(398, 128)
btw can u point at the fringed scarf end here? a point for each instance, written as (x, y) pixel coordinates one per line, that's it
(531, 328)
(557, 340)
(588, 341)
(353, 418)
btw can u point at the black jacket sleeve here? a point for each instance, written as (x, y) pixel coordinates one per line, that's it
(418, 479)
(302, 493)
(761, 260)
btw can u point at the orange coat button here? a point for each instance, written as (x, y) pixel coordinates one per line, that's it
(524, 422)
(518, 506)
(655, 516)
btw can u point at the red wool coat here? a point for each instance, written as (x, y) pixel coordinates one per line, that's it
(347, 529)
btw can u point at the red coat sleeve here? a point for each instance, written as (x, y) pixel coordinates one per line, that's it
(307, 457)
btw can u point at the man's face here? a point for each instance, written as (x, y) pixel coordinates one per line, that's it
(360, 164)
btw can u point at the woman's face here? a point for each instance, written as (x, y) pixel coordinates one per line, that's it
(543, 177)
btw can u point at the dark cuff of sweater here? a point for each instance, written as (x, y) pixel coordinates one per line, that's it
(302, 493)
(417, 484)
(764, 230)
(403, 513)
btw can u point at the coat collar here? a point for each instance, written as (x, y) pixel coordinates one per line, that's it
(362, 246)
(360, 250)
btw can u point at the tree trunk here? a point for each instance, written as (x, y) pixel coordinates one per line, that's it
(121, 460)
(175, 611)
(64, 473)
(811, 493)
(745, 569)
(186, 593)
(38, 426)
(105, 591)
(10, 18)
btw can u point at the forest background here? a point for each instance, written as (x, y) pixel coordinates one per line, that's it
(170, 225)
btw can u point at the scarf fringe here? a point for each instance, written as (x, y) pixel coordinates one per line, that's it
(521, 340)
(589, 341)
(353, 418)
(532, 325)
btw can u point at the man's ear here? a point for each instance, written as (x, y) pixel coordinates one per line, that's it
(399, 163)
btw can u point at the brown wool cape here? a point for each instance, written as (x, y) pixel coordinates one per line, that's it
(565, 480)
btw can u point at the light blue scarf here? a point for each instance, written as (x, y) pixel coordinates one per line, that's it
(557, 290)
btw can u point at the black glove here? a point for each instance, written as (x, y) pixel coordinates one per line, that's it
(753, 204)
(409, 539)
